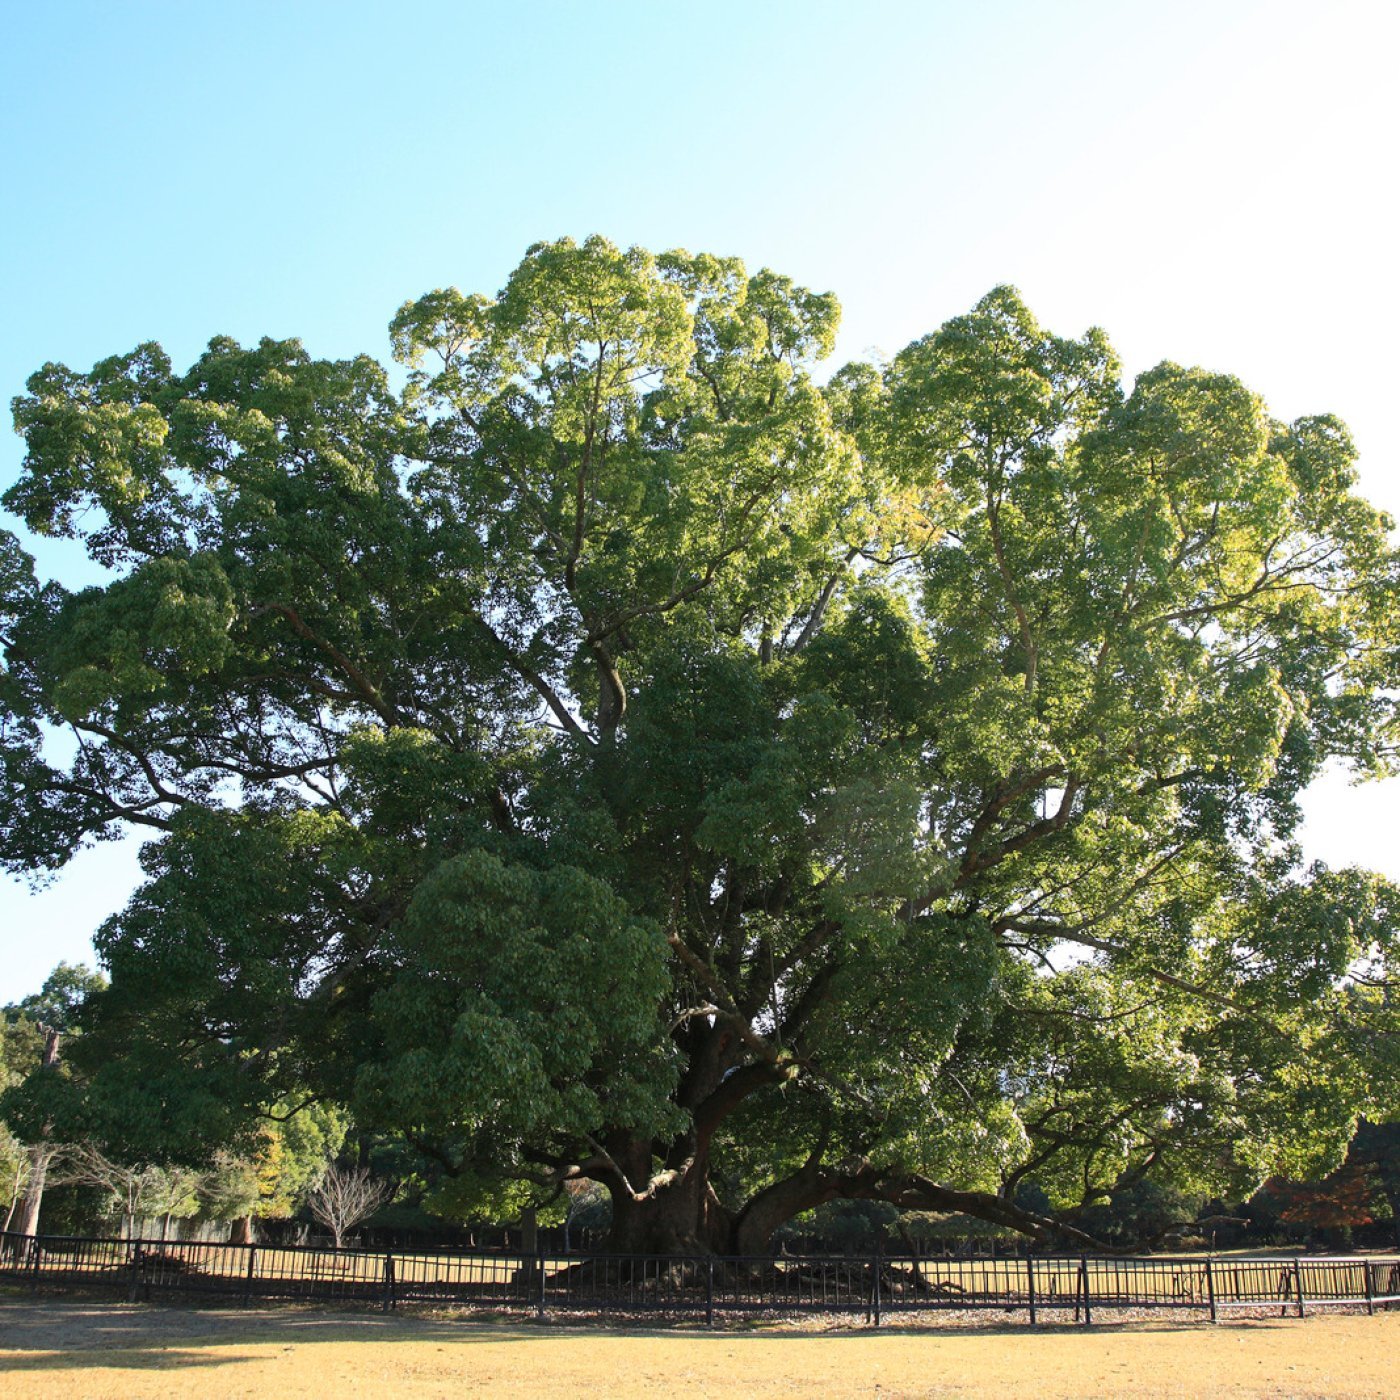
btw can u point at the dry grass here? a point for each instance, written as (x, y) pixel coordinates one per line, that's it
(61, 1349)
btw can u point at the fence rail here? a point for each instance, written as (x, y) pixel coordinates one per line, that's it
(876, 1285)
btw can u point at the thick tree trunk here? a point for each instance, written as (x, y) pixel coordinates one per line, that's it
(678, 1211)
(681, 1216)
(241, 1230)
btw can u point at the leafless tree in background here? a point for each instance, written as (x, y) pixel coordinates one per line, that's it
(344, 1197)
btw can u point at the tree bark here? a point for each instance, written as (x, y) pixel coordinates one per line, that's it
(775, 1205)
(682, 1215)
(14, 1203)
(241, 1230)
(27, 1217)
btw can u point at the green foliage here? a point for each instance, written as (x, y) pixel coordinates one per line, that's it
(56, 1004)
(289, 1153)
(854, 1225)
(1144, 1210)
(523, 996)
(619, 757)
(231, 1188)
(27, 1027)
(14, 1170)
(21, 1047)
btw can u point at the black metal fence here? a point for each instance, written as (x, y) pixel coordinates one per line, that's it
(1036, 1286)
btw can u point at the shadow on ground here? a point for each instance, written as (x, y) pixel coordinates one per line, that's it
(134, 1334)
(133, 1358)
(39, 1333)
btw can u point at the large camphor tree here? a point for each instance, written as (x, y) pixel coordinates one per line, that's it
(604, 751)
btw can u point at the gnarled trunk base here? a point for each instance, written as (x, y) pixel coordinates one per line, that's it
(685, 1217)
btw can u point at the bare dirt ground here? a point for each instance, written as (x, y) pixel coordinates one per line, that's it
(61, 1348)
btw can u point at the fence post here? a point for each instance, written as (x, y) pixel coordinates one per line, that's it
(33, 1243)
(389, 1300)
(710, 1291)
(879, 1269)
(248, 1276)
(1210, 1289)
(539, 1283)
(1030, 1284)
(1084, 1286)
(1298, 1283)
(1370, 1292)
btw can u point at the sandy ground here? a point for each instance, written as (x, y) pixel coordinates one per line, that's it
(59, 1349)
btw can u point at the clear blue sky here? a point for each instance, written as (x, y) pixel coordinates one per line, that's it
(1210, 182)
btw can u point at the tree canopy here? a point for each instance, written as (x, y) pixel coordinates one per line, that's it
(602, 750)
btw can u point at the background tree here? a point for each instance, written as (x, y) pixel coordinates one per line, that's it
(344, 1196)
(132, 1193)
(586, 1208)
(231, 1192)
(1376, 1148)
(33, 1031)
(617, 757)
(21, 1047)
(1330, 1208)
(176, 1196)
(270, 1182)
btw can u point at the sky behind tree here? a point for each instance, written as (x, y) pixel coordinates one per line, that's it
(1209, 182)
